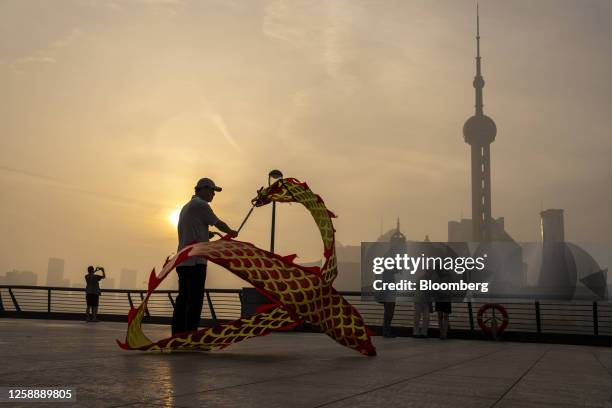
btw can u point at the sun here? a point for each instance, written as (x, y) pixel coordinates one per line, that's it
(174, 217)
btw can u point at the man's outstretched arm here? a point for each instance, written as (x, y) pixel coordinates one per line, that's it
(223, 227)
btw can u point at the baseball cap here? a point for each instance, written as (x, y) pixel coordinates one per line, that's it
(206, 182)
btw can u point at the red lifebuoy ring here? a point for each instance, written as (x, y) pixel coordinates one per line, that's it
(492, 326)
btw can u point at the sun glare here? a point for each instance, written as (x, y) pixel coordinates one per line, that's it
(174, 217)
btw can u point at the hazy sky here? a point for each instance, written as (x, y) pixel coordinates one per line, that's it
(110, 112)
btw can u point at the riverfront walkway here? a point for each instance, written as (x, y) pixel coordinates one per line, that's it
(300, 370)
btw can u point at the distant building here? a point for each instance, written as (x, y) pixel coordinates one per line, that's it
(398, 238)
(15, 277)
(55, 272)
(567, 270)
(558, 272)
(128, 279)
(553, 229)
(349, 267)
(505, 257)
(460, 231)
(349, 260)
(28, 278)
(463, 230)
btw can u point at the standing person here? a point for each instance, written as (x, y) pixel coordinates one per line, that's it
(443, 302)
(397, 245)
(422, 308)
(444, 309)
(194, 220)
(423, 305)
(387, 298)
(92, 292)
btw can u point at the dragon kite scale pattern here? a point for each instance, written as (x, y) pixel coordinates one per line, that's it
(297, 294)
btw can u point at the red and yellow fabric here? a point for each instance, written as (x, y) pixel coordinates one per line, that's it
(297, 294)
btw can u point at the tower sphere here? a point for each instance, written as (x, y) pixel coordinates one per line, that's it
(479, 130)
(478, 82)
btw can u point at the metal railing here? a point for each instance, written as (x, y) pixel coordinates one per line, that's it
(114, 304)
(539, 321)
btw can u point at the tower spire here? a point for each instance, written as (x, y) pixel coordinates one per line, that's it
(478, 79)
(479, 132)
(477, 31)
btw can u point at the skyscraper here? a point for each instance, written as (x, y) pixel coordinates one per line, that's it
(479, 132)
(55, 272)
(553, 229)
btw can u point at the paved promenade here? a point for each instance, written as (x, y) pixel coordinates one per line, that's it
(300, 370)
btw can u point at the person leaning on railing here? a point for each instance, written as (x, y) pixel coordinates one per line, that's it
(92, 292)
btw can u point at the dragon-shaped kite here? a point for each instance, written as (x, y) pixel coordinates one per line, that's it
(297, 294)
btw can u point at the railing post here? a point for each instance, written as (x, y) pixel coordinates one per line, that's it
(1, 304)
(130, 301)
(538, 319)
(146, 308)
(471, 314)
(171, 300)
(595, 320)
(211, 307)
(17, 308)
(48, 300)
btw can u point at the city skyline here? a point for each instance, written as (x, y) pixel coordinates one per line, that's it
(112, 108)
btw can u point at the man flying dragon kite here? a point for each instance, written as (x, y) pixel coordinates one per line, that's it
(296, 293)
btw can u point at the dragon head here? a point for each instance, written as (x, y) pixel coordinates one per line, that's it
(279, 191)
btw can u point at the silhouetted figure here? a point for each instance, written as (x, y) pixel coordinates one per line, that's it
(194, 220)
(443, 298)
(444, 310)
(422, 308)
(92, 292)
(388, 301)
(387, 298)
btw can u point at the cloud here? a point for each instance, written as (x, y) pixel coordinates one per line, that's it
(48, 54)
(220, 124)
(66, 40)
(33, 59)
(166, 7)
(325, 31)
(79, 190)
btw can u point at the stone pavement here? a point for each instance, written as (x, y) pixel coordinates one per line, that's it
(299, 370)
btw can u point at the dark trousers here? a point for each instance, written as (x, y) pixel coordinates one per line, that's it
(388, 318)
(189, 301)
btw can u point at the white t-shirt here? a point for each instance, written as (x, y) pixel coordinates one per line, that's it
(194, 220)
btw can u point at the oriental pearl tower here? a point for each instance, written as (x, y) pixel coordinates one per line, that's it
(479, 132)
